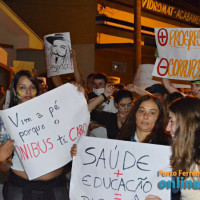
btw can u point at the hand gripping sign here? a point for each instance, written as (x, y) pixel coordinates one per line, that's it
(58, 54)
(113, 169)
(45, 128)
(178, 50)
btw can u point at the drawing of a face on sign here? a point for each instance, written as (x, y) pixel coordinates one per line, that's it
(58, 51)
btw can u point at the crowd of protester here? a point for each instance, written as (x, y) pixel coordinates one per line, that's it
(160, 114)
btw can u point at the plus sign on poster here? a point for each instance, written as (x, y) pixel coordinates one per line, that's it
(178, 53)
(107, 169)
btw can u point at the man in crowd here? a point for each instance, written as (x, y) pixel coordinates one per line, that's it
(99, 83)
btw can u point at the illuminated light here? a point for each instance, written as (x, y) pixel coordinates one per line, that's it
(108, 39)
(155, 23)
(103, 38)
(119, 25)
(114, 13)
(34, 41)
(129, 17)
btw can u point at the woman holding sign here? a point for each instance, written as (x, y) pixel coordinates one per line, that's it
(145, 123)
(51, 186)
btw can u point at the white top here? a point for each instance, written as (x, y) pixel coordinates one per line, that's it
(136, 138)
(107, 106)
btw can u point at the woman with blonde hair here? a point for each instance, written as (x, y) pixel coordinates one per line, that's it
(184, 127)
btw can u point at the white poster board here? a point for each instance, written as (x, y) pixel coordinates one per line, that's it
(58, 54)
(143, 78)
(45, 128)
(111, 169)
(178, 50)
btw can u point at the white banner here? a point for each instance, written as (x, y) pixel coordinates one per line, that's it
(57, 53)
(178, 50)
(107, 169)
(143, 78)
(45, 128)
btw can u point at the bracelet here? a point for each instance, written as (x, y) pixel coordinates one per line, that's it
(104, 96)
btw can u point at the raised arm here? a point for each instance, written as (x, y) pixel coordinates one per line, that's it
(57, 81)
(77, 72)
(168, 86)
(93, 103)
(138, 90)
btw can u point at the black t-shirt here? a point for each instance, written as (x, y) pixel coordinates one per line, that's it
(91, 95)
(109, 120)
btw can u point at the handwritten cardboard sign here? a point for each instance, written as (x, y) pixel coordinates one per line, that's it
(57, 54)
(111, 169)
(45, 128)
(178, 50)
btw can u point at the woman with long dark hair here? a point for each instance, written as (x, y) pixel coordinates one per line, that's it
(19, 92)
(145, 122)
(51, 186)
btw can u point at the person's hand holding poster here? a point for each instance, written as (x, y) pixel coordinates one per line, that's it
(58, 54)
(178, 50)
(107, 169)
(45, 128)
